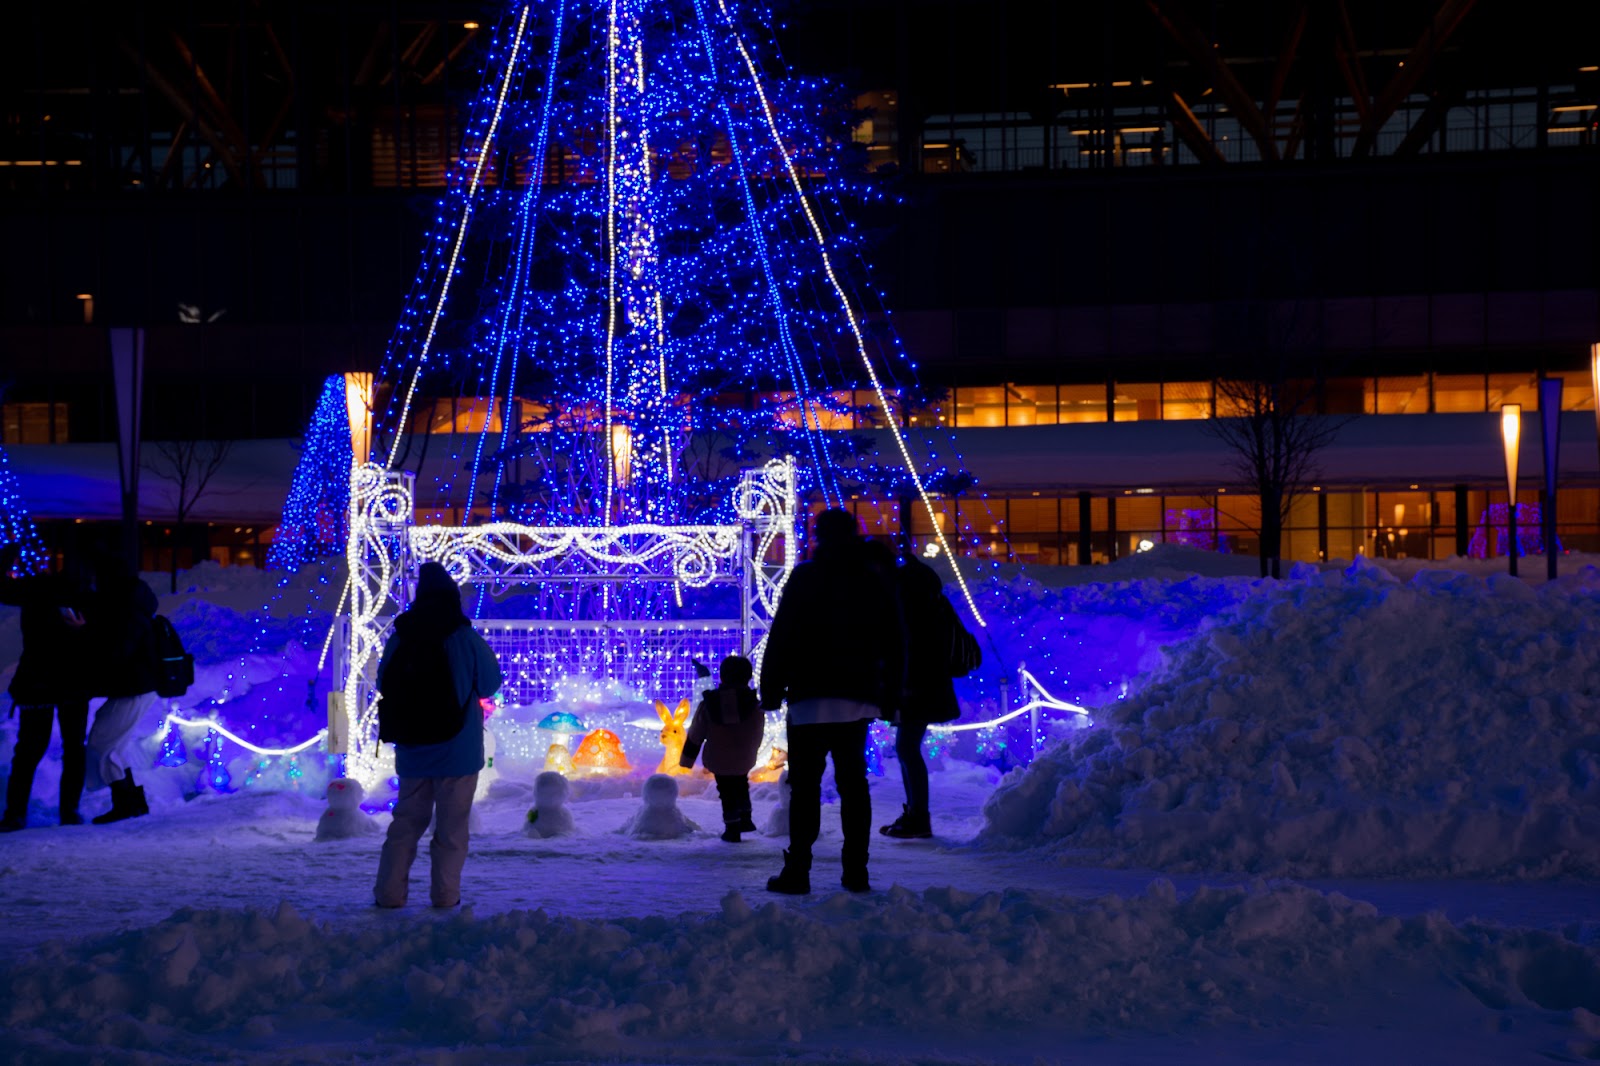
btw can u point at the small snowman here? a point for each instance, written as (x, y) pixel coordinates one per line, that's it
(549, 817)
(344, 817)
(778, 820)
(659, 818)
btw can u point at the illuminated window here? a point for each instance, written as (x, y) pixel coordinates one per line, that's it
(980, 407)
(1577, 389)
(34, 423)
(1137, 402)
(1186, 399)
(1459, 392)
(1082, 403)
(1514, 388)
(1030, 405)
(467, 414)
(1400, 395)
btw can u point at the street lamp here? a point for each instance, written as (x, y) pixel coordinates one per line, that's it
(1511, 433)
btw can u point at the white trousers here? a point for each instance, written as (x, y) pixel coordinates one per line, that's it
(114, 723)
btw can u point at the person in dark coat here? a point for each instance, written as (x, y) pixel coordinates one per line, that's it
(836, 654)
(729, 724)
(120, 622)
(437, 781)
(51, 682)
(930, 690)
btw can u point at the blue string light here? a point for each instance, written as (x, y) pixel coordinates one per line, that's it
(315, 518)
(661, 302)
(16, 524)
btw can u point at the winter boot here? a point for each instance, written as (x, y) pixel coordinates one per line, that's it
(911, 825)
(127, 801)
(795, 878)
(731, 834)
(744, 824)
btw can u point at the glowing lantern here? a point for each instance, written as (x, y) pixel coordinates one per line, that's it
(600, 753)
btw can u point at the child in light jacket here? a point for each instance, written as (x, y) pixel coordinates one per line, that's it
(728, 724)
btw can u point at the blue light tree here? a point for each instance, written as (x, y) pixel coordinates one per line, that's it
(653, 243)
(316, 518)
(16, 524)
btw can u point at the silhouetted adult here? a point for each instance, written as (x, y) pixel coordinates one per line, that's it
(931, 628)
(437, 780)
(836, 653)
(120, 615)
(51, 682)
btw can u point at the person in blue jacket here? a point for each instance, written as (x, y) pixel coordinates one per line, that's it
(437, 780)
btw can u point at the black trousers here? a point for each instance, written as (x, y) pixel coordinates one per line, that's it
(734, 792)
(809, 749)
(33, 737)
(913, 770)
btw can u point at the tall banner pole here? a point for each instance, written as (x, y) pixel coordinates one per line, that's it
(1550, 422)
(127, 375)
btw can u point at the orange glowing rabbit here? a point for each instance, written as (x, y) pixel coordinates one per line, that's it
(674, 730)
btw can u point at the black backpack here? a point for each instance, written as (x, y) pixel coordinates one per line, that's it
(416, 693)
(174, 666)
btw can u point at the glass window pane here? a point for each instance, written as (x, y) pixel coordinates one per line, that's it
(1191, 521)
(1514, 388)
(1186, 399)
(1083, 403)
(1303, 510)
(1139, 514)
(1237, 398)
(1031, 405)
(1238, 511)
(1034, 515)
(1300, 546)
(981, 406)
(1577, 389)
(1455, 393)
(1136, 402)
(983, 527)
(928, 412)
(1403, 395)
(877, 517)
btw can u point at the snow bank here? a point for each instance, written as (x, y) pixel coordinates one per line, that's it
(1345, 723)
(255, 982)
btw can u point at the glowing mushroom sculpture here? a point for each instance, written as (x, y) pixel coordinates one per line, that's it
(561, 725)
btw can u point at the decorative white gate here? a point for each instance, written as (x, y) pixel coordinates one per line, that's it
(569, 566)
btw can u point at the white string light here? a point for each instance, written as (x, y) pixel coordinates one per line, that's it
(611, 246)
(384, 542)
(213, 725)
(461, 233)
(1042, 701)
(849, 313)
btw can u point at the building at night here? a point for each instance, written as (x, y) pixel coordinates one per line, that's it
(1103, 216)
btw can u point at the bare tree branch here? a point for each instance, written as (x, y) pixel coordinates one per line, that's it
(187, 466)
(1267, 417)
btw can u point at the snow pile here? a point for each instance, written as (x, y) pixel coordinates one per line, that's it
(256, 982)
(1345, 723)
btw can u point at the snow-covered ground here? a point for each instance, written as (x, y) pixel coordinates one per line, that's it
(1352, 814)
